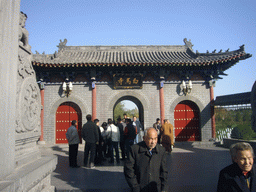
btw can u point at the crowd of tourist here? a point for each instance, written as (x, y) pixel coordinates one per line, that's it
(104, 141)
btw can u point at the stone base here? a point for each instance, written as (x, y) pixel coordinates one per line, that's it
(41, 142)
(194, 144)
(35, 176)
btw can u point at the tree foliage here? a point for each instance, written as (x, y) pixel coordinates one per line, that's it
(239, 119)
(120, 110)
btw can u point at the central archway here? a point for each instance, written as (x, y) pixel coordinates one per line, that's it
(136, 102)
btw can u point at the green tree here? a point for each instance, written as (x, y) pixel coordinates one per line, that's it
(119, 111)
(238, 115)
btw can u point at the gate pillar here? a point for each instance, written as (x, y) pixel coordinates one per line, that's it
(161, 96)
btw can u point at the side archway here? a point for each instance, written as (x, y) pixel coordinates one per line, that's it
(187, 121)
(65, 114)
(197, 106)
(52, 115)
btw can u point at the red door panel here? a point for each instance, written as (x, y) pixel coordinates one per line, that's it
(67, 112)
(186, 122)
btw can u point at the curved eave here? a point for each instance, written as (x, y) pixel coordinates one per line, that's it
(192, 62)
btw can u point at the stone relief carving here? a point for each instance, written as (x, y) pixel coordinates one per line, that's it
(29, 107)
(28, 93)
(23, 33)
(25, 66)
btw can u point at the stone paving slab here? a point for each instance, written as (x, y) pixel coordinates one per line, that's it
(191, 168)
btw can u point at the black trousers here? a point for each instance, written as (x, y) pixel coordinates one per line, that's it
(73, 149)
(122, 147)
(89, 148)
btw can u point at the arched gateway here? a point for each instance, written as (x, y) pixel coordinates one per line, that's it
(153, 77)
(65, 114)
(187, 122)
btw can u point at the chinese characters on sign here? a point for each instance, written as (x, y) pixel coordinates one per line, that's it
(127, 82)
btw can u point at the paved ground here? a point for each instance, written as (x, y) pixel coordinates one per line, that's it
(191, 169)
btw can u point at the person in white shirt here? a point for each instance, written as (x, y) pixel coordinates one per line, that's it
(115, 139)
(105, 136)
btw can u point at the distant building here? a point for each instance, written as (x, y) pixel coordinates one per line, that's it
(171, 82)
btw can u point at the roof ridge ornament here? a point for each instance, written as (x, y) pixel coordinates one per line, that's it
(62, 44)
(188, 43)
(242, 47)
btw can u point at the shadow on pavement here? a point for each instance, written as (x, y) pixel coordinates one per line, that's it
(108, 177)
(191, 168)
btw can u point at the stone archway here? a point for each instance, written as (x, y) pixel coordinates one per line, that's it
(138, 98)
(137, 102)
(50, 124)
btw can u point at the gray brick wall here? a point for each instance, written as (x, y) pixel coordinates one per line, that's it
(108, 97)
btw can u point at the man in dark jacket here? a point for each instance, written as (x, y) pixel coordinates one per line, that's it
(129, 135)
(145, 169)
(122, 142)
(91, 136)
(239, 176)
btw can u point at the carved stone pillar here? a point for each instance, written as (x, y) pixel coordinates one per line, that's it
(28, 127)
(25, 169)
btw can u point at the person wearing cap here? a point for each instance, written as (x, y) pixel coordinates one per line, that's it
(240, 175)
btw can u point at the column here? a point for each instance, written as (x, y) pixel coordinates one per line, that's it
(212, 112)
(94, 114)
(9, 23)
(41, 139)
(161, 96)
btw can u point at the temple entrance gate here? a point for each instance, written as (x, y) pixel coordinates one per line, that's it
(65, 113)
(153, 77)
(186, 121)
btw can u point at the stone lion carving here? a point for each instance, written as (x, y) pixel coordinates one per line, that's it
(23, 33)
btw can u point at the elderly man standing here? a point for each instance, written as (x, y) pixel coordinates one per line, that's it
(145, 169)
(239, 176)
(91, 136)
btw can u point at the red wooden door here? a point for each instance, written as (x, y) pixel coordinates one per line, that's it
(186, 122)
(67, 112)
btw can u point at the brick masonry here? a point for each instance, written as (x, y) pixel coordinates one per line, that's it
(107, 98)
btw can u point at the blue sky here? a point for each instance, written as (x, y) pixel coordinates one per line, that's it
(210, 25)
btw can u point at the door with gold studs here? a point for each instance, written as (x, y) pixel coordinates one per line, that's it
(186, 122)
(67, 112)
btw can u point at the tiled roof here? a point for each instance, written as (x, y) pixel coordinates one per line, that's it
(234, 99)
(134, 55)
